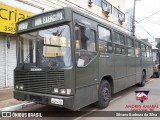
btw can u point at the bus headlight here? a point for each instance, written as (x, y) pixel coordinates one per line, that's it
(68, 91)
(17, 87)
(56, 90)
(21, 87)
(63, 91)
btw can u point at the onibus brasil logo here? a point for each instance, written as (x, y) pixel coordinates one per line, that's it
(142, 95)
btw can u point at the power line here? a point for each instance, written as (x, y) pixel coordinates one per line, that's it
(130, 18)
(149, 16)
(153, 22)
(145, 30)
(47, 4)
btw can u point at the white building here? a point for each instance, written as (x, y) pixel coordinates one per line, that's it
(112, 11)
(129, 20)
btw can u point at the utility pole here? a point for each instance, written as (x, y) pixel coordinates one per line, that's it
(133, 21)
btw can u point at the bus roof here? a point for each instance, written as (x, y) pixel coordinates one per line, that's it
(100, 21)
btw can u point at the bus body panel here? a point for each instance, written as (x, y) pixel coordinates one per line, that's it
(138, 69)
(120, 68)
(86, 77)
(131, 71)
(84, 82)
(106, 67)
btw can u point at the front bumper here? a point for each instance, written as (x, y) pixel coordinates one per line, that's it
(68, 101)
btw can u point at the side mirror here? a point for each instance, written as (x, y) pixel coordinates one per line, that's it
(87, 33)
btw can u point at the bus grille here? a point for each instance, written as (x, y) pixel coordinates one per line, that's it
(40, 81)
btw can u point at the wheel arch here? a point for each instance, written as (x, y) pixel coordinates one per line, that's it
(144, 70)
(110, 81)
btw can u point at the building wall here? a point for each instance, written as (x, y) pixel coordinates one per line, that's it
(129, 19)
(8, 55)
(82, 5)
(11, 61)
(2, 61)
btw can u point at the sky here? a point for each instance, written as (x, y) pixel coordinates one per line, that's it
(150, 26)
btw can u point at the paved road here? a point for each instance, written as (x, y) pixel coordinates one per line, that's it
(119, 102)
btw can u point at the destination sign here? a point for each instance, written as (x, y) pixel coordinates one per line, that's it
(23, 25)
(41, 20)
(52, 17)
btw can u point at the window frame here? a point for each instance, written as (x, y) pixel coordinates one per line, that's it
(98, 3)
(118, 13)
(137, 44)
(107, 3)
(132, 46)
(145, 55)
(122, 46)
(119, 35)
(82, 52)
(106, 42)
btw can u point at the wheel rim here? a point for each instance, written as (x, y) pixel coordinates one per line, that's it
(105, 94)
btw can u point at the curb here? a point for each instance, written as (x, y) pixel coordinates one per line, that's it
(17, 107)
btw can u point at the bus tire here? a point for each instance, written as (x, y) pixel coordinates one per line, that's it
(104, 95)
(143, 81)
(155, 75)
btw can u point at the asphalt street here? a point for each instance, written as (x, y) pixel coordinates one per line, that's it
(122, 101)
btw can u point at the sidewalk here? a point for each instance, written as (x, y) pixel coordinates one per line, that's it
(6, 98)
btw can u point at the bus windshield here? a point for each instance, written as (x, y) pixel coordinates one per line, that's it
(47, 48)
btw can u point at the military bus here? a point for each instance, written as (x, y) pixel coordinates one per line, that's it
(70, 59)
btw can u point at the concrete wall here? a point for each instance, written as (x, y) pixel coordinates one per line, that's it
(83, 6)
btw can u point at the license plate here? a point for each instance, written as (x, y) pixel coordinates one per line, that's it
(57, 101)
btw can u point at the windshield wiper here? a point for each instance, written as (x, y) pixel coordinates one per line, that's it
(26, 60)
(46, 60)
(59, 32)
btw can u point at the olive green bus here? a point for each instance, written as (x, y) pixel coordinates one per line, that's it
(69, 59)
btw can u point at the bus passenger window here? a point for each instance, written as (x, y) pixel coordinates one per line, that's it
(104, 34)
(105, 43)
(119, 38)
(144, 53)
(130, 45)
(85, 44)
(137, 49)
(119, 41)
(150, 54)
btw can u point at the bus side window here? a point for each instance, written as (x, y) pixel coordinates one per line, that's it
(130, 45)
(85, 40)
(137, 49)
(143, 48)
(105, 43)
(149, 57)
(150, 53)
(119, 41)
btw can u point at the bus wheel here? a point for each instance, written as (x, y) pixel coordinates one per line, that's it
(156, 75)
(143, 81)
(104, 95)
